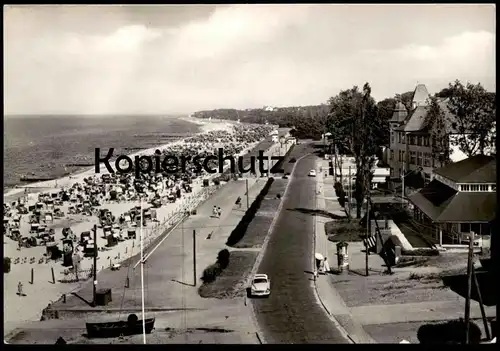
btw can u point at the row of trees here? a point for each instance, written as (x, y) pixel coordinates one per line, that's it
(308, 121)
(359, 126)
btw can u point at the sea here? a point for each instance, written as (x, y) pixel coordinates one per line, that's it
(50, 146)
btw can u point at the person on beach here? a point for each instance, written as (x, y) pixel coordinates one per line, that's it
(214, 211)
(219, 212)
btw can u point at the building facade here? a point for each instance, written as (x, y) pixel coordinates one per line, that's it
(411, 141)
(460, 200)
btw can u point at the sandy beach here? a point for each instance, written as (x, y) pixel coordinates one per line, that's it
(45, 280)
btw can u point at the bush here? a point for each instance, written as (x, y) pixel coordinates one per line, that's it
(223, 258)
(451, 332)
(6, 264)
(211, 273)
(240, 230)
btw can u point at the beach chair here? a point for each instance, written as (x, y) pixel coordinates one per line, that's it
(49, 218)
(85, 237)
(107, 230)
(50, 204)
(15, 234)
(34, 228)
(22, 209)
(58, 213)
(131, 233)
(41, 230)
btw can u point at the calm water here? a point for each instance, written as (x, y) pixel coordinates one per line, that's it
(45, 145)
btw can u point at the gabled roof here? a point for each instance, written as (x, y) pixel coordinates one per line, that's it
(475, 169)
(419, 120)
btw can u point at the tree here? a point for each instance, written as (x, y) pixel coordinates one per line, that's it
(385, 109)
(473, 110)
(353, 122)
(436, 122)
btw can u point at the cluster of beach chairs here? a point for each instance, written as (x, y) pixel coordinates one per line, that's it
(90, 197)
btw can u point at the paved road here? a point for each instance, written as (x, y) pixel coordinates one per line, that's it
(292, 314)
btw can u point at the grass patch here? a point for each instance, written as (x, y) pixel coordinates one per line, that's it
(256, 232)
(424, 277)
(344, 230)
(421, 252)
(232, 280)
(412, 261)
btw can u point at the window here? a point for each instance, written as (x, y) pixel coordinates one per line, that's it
(391, 155)
(493, 188)
(399, 137)
(403, 138)
(419, 140)
(419, 158)
(392, 137)
(474, 187)
(413, 157)
(411, 140)
(464, 187)
(483, 187)
(426, 141)
(403, 157)
(427, 159)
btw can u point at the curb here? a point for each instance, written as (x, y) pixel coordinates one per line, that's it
(342, 330)
(264, 246)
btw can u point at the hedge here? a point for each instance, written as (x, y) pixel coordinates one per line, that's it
(240, 230)
(214, 270)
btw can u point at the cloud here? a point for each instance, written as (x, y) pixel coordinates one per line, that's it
(465, 55)
(234, 56)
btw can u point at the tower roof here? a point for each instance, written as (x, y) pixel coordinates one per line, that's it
(399, 113)
(420, 96)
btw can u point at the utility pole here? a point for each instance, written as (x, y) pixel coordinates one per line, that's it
(470, 264)
(350, 191)
(194, 258)
(248, 200)
(367, 232)
(94, 273)
(403, 186)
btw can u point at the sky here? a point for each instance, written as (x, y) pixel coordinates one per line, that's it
(166, 59)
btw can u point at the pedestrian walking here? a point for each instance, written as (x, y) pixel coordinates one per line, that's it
(214, 211)
(219, 212)
(20, 289)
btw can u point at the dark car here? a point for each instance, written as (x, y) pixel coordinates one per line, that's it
(293, 160)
